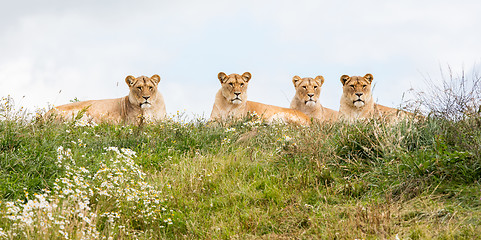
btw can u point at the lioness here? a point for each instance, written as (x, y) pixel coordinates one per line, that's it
(231, 102)
(144, 102)
(357, 101)
(306, 99)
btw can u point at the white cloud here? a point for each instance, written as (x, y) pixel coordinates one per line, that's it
(86, 49)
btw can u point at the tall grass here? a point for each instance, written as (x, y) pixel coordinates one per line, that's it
(452, 97)
(418, 179)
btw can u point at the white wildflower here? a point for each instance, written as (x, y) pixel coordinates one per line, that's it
(69, 201)
(229, 130)
(287, 138)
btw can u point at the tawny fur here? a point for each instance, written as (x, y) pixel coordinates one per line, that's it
(231, 102)
(144, 103)
(357, 101)
(307, 101)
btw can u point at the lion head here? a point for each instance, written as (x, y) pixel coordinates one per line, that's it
(308, 89)
(143, 90)
(356, 89)
(234, 86)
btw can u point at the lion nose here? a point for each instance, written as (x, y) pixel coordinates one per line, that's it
(359, 94)
(237, 94)
(310, 94)
(146, 97)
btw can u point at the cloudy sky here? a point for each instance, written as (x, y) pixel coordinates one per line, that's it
(55, 51)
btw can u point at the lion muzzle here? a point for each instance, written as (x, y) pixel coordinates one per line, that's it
(311, 102)
(145, 105)
(358, 103)
(236, 100)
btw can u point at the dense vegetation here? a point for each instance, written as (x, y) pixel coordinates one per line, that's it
(417, 179)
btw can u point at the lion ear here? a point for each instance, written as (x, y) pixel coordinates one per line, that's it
(247, 76)
(222, 77)
(296, 80)
(155, 78)
(369, 77)
(319, 79)
(130, 80)
(344, 79)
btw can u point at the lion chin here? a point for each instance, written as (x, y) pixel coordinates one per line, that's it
(310, 103)
(236, 101)
(358, 104)
(145, 105)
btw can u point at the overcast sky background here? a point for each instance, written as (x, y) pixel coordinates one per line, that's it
(55, 51)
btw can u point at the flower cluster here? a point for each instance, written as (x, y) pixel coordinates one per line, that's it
(255, 120)
(136, 198)
(227, 130)
(113, 201)
(83, 122)
(286, 138)
(225, 141)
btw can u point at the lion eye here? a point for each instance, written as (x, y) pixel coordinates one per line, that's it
(151, 88)
(140, 88)
(241, 84)
(352, 86)
(364, 86)
(231, 84)
(315, 87)
(305, 88)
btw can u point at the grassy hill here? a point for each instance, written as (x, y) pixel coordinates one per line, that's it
(241, 180)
